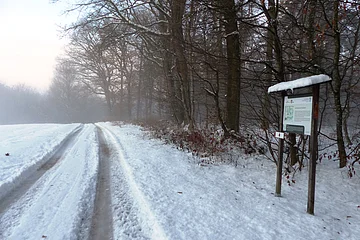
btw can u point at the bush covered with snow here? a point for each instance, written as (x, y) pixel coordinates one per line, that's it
(210, 144)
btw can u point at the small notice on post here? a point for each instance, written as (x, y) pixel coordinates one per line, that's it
(297, 114)
(280, 135)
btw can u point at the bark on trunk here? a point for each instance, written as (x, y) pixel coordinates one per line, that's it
(293, 149)
(139, 90)
(233, 63)
(269, 73)
(337, 88)
(177, 10)
(176, 108)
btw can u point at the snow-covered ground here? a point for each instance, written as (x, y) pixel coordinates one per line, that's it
(29, 146)
(159, 192)
(55, 205)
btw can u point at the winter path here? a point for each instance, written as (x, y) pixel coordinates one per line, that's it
(132, 217)
(102, 224)
(59, 202)
(114, 182)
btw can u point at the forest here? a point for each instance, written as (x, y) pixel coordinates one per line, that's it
(204, 63)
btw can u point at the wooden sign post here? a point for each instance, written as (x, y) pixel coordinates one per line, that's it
(279, 165)
(300, 115)
(313, 153)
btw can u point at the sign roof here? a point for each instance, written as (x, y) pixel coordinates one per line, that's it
(299, 83)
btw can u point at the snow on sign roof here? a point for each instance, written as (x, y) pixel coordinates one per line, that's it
(299, 83)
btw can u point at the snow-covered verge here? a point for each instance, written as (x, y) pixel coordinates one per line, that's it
(192, 201)
(60, 204)
(28, 146)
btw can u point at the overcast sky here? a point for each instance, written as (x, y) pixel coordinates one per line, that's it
(30, 41)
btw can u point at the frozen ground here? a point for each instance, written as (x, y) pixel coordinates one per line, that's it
(149, 190)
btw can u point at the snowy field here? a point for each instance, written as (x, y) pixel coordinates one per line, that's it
(159, 192)
(31, 145)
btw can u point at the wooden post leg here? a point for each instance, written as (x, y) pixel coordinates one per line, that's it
(313, 153)
(281, 151)
(279, 168)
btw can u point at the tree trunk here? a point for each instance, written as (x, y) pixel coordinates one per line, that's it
(311, 33)
(141, 76)
(177, 10)
(175, 105)
(293, 149)
(129, 92)
(233, 63)
(269, 73)
(349, 91)
(107, 93)
(337, 88)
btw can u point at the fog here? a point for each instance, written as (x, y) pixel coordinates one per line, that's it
(22, 104)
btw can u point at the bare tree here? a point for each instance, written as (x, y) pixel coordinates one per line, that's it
(88, 52)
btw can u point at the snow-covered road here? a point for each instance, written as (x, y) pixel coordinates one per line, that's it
(56, 204)
(108, 182)
(32, 145)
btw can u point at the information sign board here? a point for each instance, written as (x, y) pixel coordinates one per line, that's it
(297, 115)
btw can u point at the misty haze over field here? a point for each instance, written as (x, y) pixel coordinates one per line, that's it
(22, 104)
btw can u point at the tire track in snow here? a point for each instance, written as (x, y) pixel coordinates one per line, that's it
(132, 207)
(102, 224)
(35, 172)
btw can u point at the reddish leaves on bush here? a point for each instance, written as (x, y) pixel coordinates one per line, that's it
(203, 142)
(353, 156)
